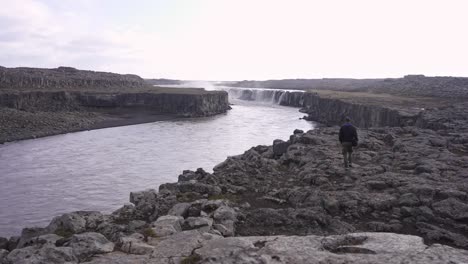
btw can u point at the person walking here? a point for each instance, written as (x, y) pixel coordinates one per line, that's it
(348, 139)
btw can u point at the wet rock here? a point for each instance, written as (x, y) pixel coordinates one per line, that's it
(41, 254)
(88, 244)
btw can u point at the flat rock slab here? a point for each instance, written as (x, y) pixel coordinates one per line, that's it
(353, 248)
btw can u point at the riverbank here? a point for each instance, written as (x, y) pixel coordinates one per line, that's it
(42, 102)
(406, 191)
(31, 115)
(21, 125)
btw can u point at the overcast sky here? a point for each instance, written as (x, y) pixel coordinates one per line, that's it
(238, 39)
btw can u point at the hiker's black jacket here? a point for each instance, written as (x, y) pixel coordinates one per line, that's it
(348, 133)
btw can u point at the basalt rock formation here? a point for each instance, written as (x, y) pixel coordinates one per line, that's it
(189, 105)
(292, 202)
(409, 85)
(41, 102)
(64, 78)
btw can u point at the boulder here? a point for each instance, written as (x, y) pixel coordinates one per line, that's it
(28, 234)
(202, 223)
(179, 209)
(88, 244)
(136, 225)
(41, 255)
(134, 244)
(298, 131)
(50, 239)
(112, 231)
(226, 228)
(177, 247)
(310, 140)
(224, 213)
(125, 214)
(167, 225)
(3, 254)
(3, 243)
(13, 242)
(74, 223)
(144, 197)
(280, 147)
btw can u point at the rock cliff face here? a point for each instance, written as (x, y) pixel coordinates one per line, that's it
(64, 78)
(188, 105)
(330, 111)
(333, 111)
(410, 85)
(41, 102)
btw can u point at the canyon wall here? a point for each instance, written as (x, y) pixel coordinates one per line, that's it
(330, 111)
(64, 78)
(188, 105)
(410, 85)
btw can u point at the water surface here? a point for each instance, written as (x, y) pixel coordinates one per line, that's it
(96, 170)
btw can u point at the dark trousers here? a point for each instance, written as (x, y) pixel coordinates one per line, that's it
(347, 149)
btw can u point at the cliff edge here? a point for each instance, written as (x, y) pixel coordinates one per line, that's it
(41, 102)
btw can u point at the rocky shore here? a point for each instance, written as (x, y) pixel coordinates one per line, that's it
(42, 102)
(404, 201)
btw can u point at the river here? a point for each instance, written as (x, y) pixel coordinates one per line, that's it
(96, 170)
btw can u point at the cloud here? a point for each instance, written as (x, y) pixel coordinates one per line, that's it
(241, 39)
(35, 35)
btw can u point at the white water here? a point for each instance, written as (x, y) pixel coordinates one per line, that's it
(96, 170)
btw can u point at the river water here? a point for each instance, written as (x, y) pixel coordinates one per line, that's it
(96, 170)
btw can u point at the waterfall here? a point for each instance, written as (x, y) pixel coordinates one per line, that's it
(272, 96)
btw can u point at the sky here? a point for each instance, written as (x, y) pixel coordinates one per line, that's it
(239, 39)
